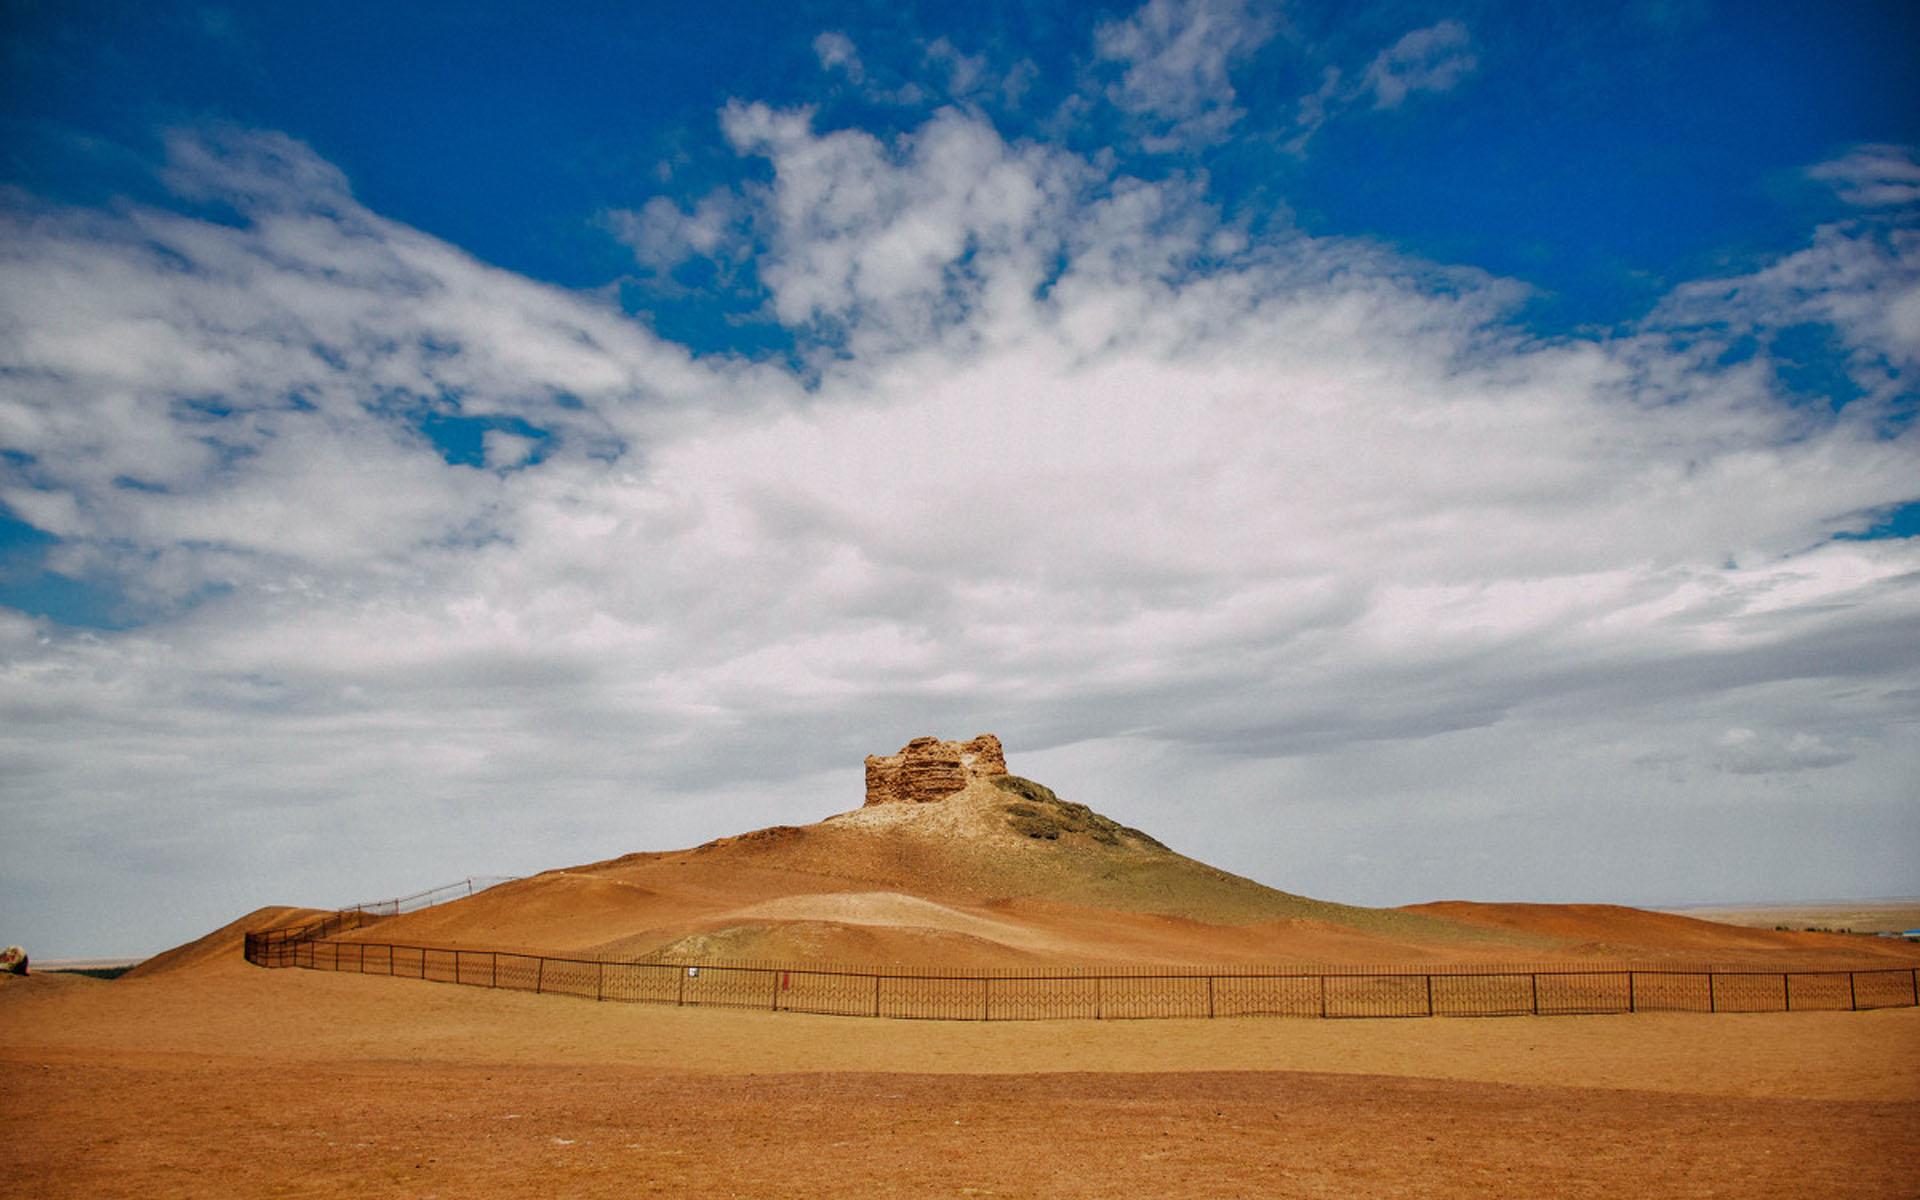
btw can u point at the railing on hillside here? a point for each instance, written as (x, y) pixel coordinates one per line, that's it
(458, 890)
(359, 916)
(1105, 994)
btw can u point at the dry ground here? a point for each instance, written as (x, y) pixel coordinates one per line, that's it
(1861, 916)
(230, 1080)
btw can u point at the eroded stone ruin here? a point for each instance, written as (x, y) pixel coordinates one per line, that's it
(928, 769)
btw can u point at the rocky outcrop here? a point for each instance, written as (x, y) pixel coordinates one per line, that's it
(928, 769)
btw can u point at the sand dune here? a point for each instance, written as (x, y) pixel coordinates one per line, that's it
(220, 950)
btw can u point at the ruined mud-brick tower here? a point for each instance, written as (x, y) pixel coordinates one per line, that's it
(928, 769)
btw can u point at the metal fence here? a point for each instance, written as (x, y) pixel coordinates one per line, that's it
(1104, 994)
(458, 890)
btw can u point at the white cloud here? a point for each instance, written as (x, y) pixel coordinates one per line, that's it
(255, 391)
(1178, 57)
(899, 240)
(504, 450)
(972, 77)
(836, 52)
(1433, 59)
(1316, 108)
(663, 234)
(1745, 752)
(1323, 541)
(1861, 279)
(1874, 176)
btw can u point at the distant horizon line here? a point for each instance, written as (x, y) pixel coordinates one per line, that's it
(1759, 905)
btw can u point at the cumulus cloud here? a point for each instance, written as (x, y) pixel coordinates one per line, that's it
(836, 52)
(975, 78)
(891, 241)
(1306, 533)
(1433, 59)
(1177, 57)
(1860, 280)
(664, 235)
(1746, 752)
(1876, 176)
(188, 392)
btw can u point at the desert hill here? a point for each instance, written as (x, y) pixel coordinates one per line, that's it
(222, 946)
(1000, 872)
(954, 862)
(1613, 930)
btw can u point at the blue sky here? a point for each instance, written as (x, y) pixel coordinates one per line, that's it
(1602, 155)
(1318, 433)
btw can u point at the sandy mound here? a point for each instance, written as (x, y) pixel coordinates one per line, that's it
(1005, 873)
(39, 982)
(1616, 931)
(222, 947)
(1002, 872)
(832, 942)
(887, 910)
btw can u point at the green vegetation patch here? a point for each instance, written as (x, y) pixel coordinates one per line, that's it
(92, 972)
(1045, 816)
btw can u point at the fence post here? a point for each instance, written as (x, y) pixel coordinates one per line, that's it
(456, 966)
(1916, 985)
(681, 997)
(1786, 991)
(539, 975)
(1429, 995)
(600, 982)
(1853, 996)
(1713, 1001)
(1099, 997)
(1209, 997)
(986, 998)
(493, 973)
(1534, 980)
(1630, 991)
(1323, 995)
(775, 976)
